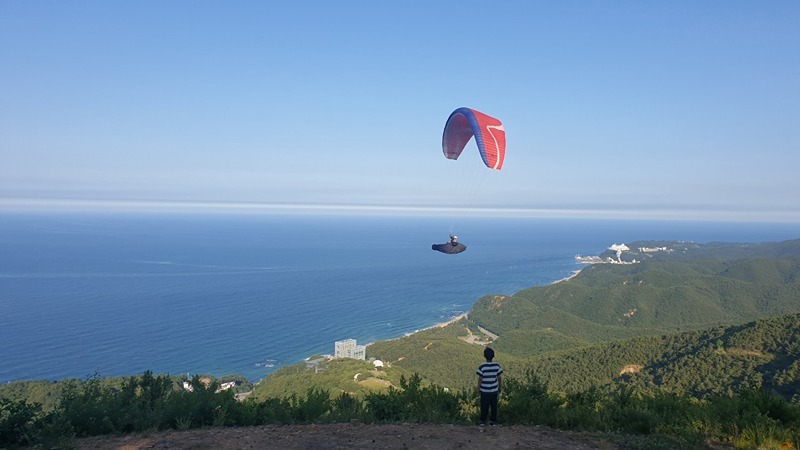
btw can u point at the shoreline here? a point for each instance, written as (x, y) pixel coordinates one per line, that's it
(436, 325)
(466, 314)
(446, 323)
(574, 274)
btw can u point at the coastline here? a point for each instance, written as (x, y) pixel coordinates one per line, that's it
(466, 314)
(574, 274)
(446, 323)
(436, 325)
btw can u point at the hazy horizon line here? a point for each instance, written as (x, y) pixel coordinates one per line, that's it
(168, 206)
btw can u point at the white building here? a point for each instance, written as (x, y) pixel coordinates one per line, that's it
(652, 249)
(349, 348)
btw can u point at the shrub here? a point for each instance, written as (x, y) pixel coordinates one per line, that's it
(413, 402)
(24, 424)
(18, 422)
(202, 405)
(313, 407)
(345, 408)
(582, 410)
(527, 402)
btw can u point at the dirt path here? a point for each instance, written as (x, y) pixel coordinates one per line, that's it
(350, 436)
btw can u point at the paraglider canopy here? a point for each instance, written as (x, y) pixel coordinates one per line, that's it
(490, 136)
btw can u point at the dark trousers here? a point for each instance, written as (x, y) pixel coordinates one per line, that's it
(489, 401)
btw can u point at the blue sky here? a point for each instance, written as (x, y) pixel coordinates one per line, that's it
(677, 109)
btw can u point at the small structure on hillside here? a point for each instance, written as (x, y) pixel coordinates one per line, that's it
(315, 364)
(349, 348)
(187, 385)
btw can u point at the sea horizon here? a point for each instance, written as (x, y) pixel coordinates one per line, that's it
(48, 205)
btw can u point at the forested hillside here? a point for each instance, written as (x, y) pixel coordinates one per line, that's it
(681, 312)
(716, 360)
(612, 301)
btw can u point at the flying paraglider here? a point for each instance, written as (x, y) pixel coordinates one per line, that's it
(451, 248)
(490, 137)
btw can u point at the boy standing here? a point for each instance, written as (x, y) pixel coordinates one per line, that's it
(489, 384)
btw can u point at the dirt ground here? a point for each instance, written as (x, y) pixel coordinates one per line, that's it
(351, 436)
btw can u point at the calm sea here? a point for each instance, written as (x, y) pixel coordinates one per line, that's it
(244, 294)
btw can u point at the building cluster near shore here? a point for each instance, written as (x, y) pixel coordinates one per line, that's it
(653, 249)
(614, 255)
(615, 249)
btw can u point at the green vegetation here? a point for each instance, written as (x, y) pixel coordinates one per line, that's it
(695, 345)
(745, 418)
(350, 376)
(697, 363)
(606, 301)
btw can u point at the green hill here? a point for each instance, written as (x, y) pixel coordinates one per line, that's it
(765, 352)
(607, 301)
(684, 312)
(716, 360)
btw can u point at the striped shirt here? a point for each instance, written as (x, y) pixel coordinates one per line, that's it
(489, 371)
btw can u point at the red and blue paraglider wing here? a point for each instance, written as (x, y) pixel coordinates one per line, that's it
(490, 136)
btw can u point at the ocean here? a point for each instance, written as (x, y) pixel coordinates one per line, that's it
(117, 294)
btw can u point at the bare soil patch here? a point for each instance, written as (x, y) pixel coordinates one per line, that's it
(351, 436)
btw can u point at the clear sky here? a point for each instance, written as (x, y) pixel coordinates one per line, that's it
(662, 109)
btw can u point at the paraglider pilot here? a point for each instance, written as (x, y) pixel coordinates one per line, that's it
(451, 247)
